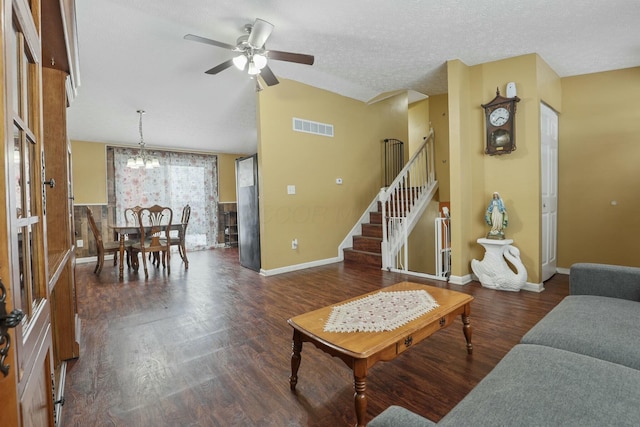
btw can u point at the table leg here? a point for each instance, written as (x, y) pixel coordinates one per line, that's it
(295, 359)
(360, 386)
(466, 328)
(121, 255)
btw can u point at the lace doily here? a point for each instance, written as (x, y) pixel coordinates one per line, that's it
(382, 311)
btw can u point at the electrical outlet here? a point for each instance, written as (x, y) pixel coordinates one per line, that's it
(339, 181)
(294, 244)
(80, 243)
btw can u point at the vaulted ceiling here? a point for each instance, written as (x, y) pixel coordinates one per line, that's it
(133, 56)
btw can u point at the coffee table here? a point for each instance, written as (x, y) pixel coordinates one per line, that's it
(361, 350)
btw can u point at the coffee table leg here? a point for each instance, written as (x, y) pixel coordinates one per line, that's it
(360, 386)
(296, 348)
(466, 328)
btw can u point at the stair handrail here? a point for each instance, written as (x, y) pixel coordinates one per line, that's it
(415, 180)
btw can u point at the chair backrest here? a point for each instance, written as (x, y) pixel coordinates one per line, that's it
(94, 228)
(131, 215)
(158, 219)
(186, 214)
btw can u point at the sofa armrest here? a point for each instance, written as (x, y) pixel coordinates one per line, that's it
(605, 280)
(397, 416)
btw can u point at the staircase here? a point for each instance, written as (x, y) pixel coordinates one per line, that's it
(398, 206)
(367, 247)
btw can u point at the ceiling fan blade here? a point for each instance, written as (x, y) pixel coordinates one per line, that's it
(209, 41)
(260, 33)
(220, 67)
(268, 76)
(299, 58)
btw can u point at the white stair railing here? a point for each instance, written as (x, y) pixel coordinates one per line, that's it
(404, 201)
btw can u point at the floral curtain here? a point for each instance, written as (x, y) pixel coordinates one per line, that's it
(181, 179)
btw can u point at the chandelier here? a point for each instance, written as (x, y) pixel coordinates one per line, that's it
(143, 159)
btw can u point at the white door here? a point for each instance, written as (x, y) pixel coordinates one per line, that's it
(549, 176)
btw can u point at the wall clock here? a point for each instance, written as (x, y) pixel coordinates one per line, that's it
(500, 119)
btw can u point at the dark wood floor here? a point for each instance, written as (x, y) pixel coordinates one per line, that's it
(210, 346)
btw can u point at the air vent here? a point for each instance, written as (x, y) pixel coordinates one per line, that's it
(316, 128)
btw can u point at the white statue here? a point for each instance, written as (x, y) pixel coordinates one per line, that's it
(494, 272)
(496, 216)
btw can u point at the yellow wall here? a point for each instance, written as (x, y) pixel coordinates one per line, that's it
(439, 118)
(421, 241)
(418, 124)
(227, 177)
(422, 247)
(321, 213)
(89, 173)
(516, 176)
(464, 128)
(599, 163)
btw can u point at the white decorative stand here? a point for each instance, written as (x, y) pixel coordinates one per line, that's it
(494, 272)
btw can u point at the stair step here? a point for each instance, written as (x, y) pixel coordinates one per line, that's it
(363, 257)
(372, 230)
(368, 244)
(375, 217)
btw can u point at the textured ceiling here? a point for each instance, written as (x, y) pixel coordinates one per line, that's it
(133, 56)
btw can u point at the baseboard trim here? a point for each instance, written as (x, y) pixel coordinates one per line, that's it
(297, 267)
(461, 280)
(533, 287)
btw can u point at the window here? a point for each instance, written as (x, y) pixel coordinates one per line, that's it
(182, 178)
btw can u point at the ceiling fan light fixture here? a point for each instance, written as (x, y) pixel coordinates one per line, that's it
(260, 61)
(240, 61)
(253, 70)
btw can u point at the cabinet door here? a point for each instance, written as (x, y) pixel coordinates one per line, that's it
(23, 260)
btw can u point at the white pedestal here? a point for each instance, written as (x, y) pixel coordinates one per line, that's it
(494, 272)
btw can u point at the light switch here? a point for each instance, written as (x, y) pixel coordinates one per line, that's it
(291, 189)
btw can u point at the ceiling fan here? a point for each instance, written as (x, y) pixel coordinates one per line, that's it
(253, 56)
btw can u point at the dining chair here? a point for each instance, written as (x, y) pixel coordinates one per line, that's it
(154, 224)
(131, 218)
(103, 247)
(179, 240)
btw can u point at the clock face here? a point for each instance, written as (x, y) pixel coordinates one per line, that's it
(499, 116)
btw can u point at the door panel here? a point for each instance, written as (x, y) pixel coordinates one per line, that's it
(248, 214)
(23, 266)
(549, 177)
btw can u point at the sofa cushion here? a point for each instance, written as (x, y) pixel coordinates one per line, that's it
(602, 327)
(544, 386)
(396, 416)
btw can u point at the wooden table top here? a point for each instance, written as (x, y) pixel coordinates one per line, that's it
(363, 344)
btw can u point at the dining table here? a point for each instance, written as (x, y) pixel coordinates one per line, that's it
(123, 230)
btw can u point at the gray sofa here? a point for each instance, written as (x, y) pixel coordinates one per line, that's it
(578, 366)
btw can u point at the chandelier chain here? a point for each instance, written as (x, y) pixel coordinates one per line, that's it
(141, 112)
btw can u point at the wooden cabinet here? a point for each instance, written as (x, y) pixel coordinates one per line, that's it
(59, 223)
(230, 229)
(36, 255)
